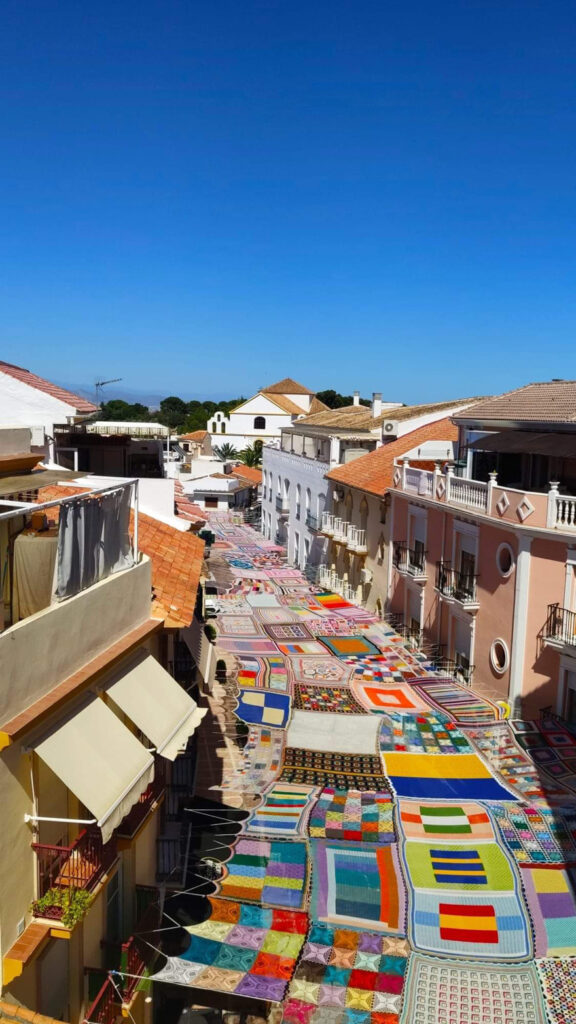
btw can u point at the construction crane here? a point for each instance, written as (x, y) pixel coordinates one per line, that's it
(100, 384)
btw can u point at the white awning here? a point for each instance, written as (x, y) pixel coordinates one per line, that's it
(157, 704)
(101, 762)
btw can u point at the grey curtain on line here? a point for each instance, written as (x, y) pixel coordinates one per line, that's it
(93, 540)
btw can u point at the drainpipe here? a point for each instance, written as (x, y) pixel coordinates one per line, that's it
(521, 599)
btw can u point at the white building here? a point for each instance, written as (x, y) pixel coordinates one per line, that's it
(263, 417)
(221, 491)
(294, 488)
(27, 400)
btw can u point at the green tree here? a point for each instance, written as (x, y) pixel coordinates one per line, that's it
(173, 412)
(117, 409)
(252, 455)
(225, 452)
(334, 400)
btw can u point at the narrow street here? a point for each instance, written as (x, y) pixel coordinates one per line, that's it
(403, 858)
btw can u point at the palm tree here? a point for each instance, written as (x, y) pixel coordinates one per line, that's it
(225, 452)
(252, 455)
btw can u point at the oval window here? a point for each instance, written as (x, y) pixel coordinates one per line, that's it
(499, 656)
(505, 559)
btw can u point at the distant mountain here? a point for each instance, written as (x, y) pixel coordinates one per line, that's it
(150, 398)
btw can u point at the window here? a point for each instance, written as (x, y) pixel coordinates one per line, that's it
(222, 428)
(499, 656)
(211, 503)
(505, 560)
(259, 423)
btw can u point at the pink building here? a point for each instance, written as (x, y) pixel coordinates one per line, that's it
(484, 554)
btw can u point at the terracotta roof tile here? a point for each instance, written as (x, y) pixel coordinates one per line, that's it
(248, 473)
(359, 417)
(373, 472)
(82, 405)
(196, 435)
(549, 401)
(286, 404)
(287, 386)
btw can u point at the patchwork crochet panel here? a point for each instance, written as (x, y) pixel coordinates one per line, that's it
(284, 812)
(550, 893)
(453, 777)
(346, 975)
(445, 992)
(432, 733)
(246, 950)
(353, 816)
(340, 771)
(354, 884)
(537, 833)
(460, 702)
(437, 821)
(263, 707)
(325, 698)
(272, 873)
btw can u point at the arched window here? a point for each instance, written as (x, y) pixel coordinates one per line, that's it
(363, 514)
(259, 423)
(222, 428)
(298, 500)
(308, 499)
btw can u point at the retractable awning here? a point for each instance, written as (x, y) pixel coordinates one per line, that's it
(524, 441)
(100, 761)
(157, 704)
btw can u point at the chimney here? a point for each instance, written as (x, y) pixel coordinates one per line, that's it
(356, 400)
(376, 404)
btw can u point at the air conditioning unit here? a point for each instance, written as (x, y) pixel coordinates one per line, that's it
(366, 576)
(390, 428)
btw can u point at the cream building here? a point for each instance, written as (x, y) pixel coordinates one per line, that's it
(262, 417)
(90, 726)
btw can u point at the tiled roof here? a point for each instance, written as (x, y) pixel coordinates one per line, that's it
(286, 387)
(248, 473)
(284, 403)
(359, 417)
(186, 508)
(176, 559)
(176, 567)
(549, 401)
(317, 406)
(196, 435)
(82, 405)
(373, 472)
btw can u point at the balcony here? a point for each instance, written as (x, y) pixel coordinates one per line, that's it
(552, 511)
(62, 870)
(282, 505)
(327, 524)
(455, 585)
(410, 561)
(560, 628)
(356, 540)
(329, 579)
(312, 522)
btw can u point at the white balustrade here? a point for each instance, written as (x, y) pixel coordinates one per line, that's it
(356, 538)
(327, 523)
(470, 493)
(565, 517)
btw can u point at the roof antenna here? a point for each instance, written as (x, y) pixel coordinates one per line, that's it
(99, 385)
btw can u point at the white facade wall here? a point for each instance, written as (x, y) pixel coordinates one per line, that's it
(297, 475)
(23, 406)
(239, 427)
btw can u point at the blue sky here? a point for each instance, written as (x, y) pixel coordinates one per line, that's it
(202, 196)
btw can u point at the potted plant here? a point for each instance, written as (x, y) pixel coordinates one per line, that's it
(66, 905)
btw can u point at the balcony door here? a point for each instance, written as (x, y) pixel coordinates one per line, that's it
(570, 699)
